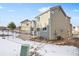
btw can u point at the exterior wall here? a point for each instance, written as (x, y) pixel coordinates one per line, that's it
(44, 33)
(60, 24)
(69, 27)
(26, 27)
(33, 31)
(56, 22)
(43, 22)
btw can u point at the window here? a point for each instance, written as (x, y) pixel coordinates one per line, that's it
(38, 29)
(32, 29)
(73, 27)
(44, 28)
(27, 24)
(38, 18)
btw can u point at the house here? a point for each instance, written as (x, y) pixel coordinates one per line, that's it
(26, 26)
(52, 23)
(75, 30)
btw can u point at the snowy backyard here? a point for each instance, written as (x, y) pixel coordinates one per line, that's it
(11, 46)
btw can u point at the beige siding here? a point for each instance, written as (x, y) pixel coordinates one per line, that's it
(44, 19)
(59, 24)
(69, 27)
(56, 22)
(43, 22)
(26, 26)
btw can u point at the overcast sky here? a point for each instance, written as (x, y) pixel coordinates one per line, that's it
(19, 12)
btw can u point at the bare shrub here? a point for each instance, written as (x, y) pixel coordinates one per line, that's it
(59, 38)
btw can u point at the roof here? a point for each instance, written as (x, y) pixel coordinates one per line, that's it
(42, 13)
(34, 21)
(53, 8)
(26, 20)
(68, 17)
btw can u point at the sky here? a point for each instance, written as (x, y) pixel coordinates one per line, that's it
(17, 12)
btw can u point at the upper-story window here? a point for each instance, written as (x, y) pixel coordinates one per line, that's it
(27, 24)
(38, 18)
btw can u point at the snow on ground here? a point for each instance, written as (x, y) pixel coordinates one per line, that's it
(11, 46)
(8, 48)
(54, 50)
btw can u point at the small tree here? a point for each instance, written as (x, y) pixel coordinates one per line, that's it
(11, 26)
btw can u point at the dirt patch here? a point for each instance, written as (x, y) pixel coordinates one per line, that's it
(24, 37)
(66, 41)
(70, 42)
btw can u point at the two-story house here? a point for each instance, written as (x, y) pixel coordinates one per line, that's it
(52, 23)
(26, 26)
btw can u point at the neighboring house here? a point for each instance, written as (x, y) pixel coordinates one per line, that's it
(75, 30)
(52, 23)
(26, 26)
